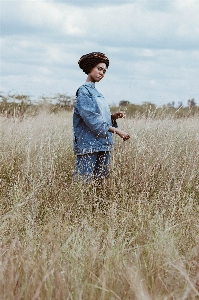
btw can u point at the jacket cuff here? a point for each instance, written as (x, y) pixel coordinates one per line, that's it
(114, 122)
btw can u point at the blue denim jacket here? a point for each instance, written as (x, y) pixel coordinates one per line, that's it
(91, 121)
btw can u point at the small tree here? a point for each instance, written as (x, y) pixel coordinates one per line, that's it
(191, 102)
(171, 104)
(124, 103)
(180, 104)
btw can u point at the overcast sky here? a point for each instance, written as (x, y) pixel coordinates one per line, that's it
(153, 47)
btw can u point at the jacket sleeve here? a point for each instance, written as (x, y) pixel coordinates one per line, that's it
(87, 108)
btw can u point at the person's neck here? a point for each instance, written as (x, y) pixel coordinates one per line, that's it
(89, 79)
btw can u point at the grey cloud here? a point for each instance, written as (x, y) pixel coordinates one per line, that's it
(142, 41)
(94, 3)
(33, 52)
(40, 58)
(133, 31)
(166, 6)
(13, 21)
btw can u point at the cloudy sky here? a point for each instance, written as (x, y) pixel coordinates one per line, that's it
(152, 45)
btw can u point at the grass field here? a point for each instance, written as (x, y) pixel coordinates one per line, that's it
(134, 237)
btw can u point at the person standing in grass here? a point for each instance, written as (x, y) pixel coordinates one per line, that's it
(93, 124)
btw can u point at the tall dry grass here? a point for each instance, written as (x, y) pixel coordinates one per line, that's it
(134, 237)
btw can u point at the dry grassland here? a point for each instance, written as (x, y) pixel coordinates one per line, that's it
(134, 237)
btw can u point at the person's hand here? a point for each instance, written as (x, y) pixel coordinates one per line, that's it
(125, 136)
(118, 115)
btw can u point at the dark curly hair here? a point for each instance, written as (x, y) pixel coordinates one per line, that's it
(90, 60)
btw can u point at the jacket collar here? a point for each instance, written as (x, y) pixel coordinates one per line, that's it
(90, 84)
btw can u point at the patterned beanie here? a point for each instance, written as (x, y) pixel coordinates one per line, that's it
(90, 60)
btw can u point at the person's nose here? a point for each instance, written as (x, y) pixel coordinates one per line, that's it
(101, 72)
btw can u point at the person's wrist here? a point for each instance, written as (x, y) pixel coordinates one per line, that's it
(113, 117)
(116, 131)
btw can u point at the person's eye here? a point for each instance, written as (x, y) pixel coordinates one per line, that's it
(101, 69)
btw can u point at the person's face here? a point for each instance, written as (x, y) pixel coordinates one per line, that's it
(97, 73)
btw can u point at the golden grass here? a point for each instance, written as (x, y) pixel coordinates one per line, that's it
(135, 237)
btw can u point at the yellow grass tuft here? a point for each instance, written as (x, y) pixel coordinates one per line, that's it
(134, 237)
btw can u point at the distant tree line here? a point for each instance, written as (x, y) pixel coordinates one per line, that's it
(149, 109)
(16, 105)
(19, 105)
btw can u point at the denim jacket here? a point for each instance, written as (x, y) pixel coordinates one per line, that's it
(91, 121)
